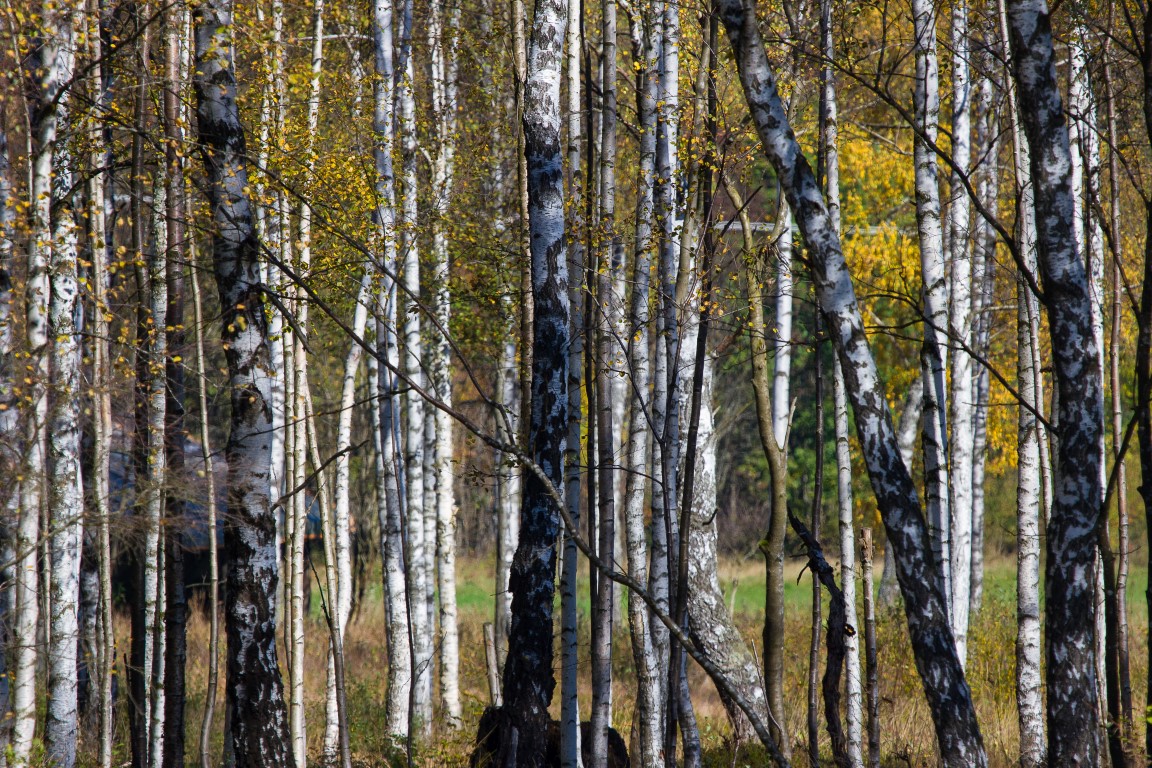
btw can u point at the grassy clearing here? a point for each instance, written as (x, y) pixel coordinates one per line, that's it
(906, 734)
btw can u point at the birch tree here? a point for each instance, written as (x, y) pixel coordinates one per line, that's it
(258, 721)
(926, 608)
(643, 30)
(444, 38)
(1072, 716)
(959, 329)
(934, 353)
(65, 494)
(528, 682)
(386, 416)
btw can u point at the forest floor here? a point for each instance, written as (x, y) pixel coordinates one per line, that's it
(906, 731)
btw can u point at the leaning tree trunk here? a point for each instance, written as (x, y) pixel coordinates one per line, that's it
(1073, 732)
(949, 698)
(528, 678)
(258, 720)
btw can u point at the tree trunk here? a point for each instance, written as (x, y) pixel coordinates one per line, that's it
(258, 720)
(649, 701)
(934, 353)
(1072, 718)
(386, 421)
(176, 609)
(570, 731)
(444, 101)
(528, 678)
(926, 609)
(959, 333)
(65, 494)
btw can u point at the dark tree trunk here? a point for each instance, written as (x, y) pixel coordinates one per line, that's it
(528, 676)
(257, 718)
(1073, 720)
(949, 698)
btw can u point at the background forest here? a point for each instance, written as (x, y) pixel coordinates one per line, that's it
(408, 382)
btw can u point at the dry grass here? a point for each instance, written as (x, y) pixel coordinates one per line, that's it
(906, 732)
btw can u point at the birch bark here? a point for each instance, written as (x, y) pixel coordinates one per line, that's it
(959, 334)
(926, 609)
(934, 353)
(65, 496)
(528, 681)
(386, 417)
(444, 105)
(644, 655)
(418, 572)
(258, 720)
(1073, 736)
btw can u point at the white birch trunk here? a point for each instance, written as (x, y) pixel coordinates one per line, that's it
(570, 741)
(934, 353)
(155, 479)
(649, 700)
(48, 73)
(1029, 700)
(444, 102)
(853, 688)
(960, 333)
(782, 374)
(418, 572)
(66, 499)
(386, 417)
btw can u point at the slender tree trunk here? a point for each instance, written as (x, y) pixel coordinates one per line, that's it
(934, 353)
(176, 609)
(211, 521)
(959, 333)
(606, 426)
(570, 741)
(570, 746)
(258, 720)
(528, 679)
(1029, 702)
(1072, 718)
(870, 650)
(48, 71)
(386, 426)
(987, 142)
(444, 100)
(413, 480)
(778, 471)
(1121, 639)
(649, 699)
(65, 494)
(926, 608)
